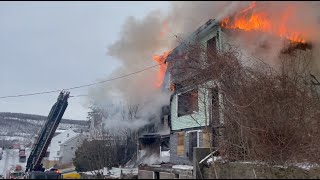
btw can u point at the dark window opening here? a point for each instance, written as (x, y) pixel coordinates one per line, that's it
(156, 175)
(193, 142)
(47, 154)
(215, 106)
(176, 176)
(211, 48)
(188, 103)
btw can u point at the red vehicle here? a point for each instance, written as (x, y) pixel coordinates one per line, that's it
(15, 173)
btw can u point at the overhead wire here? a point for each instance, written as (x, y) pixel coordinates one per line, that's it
(81, 86)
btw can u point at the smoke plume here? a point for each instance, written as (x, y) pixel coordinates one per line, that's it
(140, 39)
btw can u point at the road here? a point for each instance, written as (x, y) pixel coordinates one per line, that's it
(10, 158)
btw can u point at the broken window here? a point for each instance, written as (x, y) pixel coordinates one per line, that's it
(193, 142)
(211, 48)
(180, 146)
(156, 175)
(215, 106)
(188, 103)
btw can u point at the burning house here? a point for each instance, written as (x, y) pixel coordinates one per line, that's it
(195, 115)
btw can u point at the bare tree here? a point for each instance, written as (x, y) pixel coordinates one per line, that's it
(265, 114)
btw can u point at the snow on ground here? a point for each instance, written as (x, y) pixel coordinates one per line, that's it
(306, 166)
(116, 172)
(10, 159)
(215, 158)
(12, 138)
(184, 167)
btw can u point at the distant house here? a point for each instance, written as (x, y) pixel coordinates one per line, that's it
(69, 147)
(54, 150)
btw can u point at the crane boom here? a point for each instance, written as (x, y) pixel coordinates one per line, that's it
(46, 133)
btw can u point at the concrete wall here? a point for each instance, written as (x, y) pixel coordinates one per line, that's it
(198, 155)
(164, 175)
(148, 172)
(143, 174)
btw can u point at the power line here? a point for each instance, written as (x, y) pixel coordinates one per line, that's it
(81, 86)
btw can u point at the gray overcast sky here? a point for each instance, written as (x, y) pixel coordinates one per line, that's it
(54, 45)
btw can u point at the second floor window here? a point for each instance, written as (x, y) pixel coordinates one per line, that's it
(188, 103)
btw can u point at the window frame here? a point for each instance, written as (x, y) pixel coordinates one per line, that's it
(197, 104)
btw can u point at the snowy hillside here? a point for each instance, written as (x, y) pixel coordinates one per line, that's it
(23, 127)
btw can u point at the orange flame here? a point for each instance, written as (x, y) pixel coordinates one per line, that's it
(162, 68)
(249, 20)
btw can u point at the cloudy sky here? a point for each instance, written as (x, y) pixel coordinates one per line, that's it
(54, 45)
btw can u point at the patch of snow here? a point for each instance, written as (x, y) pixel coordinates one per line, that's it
(215, 158)
(252, 162)
(92, 172)
(165, 153)
(306, 166)
(116, 172)
(183, 167)
(165, 156)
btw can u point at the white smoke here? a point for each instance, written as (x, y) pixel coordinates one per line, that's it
(140, 39)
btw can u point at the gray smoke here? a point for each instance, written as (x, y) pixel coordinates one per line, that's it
(140, 39)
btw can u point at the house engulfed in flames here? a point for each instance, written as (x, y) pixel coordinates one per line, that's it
(187, 116)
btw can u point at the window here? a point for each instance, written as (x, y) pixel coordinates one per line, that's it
(156, 175)
(188, 103)
(193, 142)
(72, 148)
(176, 176)
(47, 154)
(58, 153)
(211, 48)
(68, 135)
(215, 106)
(180, 147)
(59, 142)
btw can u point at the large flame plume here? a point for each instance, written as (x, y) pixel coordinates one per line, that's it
(162, 67)
(253, 19)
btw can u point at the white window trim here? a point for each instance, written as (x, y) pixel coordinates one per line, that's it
(198, 135)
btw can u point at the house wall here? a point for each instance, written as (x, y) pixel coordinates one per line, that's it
(184, 160)
(200, 118)
(189, 121)
(69, 148)
(56, 141)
